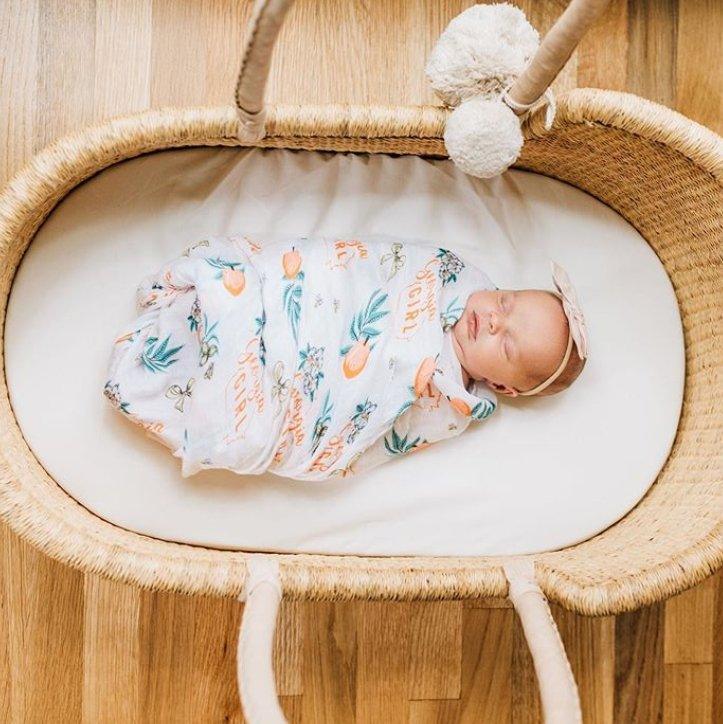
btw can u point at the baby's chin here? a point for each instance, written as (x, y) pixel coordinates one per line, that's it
(460, 335)
(463, 347)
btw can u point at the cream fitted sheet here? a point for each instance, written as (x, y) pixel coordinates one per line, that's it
(540, 474)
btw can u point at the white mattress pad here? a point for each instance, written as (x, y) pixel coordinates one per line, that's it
(540, 474)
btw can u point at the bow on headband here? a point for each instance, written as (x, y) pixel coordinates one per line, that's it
(571, 306)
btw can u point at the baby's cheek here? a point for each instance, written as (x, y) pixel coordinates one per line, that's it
(515, 370)
(479, 355)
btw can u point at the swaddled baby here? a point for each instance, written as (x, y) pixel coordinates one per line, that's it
(310, 357)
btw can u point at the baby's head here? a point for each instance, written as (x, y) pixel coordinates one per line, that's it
(515, 339)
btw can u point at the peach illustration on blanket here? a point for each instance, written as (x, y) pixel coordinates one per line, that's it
(234, 280)
(361, 331)
(292, 263)
(231, 274)
(461, 406)
(355, 359)
(423, 377)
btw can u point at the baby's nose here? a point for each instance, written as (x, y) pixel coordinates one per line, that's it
(494, 322)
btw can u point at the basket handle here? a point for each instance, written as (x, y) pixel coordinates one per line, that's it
(558, 690)
(262, 593)
(267, 17)
(254, 652)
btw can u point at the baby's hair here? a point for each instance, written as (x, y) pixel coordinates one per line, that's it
(572, 370)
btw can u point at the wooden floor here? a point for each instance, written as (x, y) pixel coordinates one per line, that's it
(76, 647)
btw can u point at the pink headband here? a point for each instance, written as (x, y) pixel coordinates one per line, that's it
(577, 331)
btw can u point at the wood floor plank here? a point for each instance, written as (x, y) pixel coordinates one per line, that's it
(221, 29)
(652, 35)
(7, 672)
(44, 600)
(307, 32)
(526, 705)
(188, 658)
(698, 84)
(123, 46)
(689, 625)
(487, 662)
(435, 665)
(19, 38)
(18, 70)
(66, 69)
(111, 652)
(46, 86)
(330, 662)
(434, 711)
(688, 693)
(383, 636)
(590, 646)
(292, 708)
(179, 58)
(387, 22)
(718, 651)
(289, 647)
(639, 665)
(602, 54)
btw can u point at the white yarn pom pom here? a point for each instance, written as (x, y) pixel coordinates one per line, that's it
(481, 52)
(483, 137)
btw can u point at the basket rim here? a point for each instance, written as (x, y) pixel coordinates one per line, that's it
(105, 548)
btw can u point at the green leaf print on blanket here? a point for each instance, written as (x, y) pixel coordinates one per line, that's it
(157, 358)
(292, 303)
(361, 330)
(482, 409)
(450, 316)
(400, 445)
(222, 264)
(408, 402)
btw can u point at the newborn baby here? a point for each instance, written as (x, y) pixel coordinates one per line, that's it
(314, 357)
(514, 340)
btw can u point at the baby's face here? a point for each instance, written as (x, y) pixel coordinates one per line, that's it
(511, 338)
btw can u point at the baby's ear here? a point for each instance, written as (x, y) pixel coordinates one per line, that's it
(503, 389)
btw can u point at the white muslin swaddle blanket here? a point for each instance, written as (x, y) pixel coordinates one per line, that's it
(304, 356)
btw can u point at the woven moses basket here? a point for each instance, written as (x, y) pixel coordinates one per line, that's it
(659, 170)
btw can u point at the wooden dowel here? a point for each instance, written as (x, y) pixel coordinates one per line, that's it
(555, 50)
